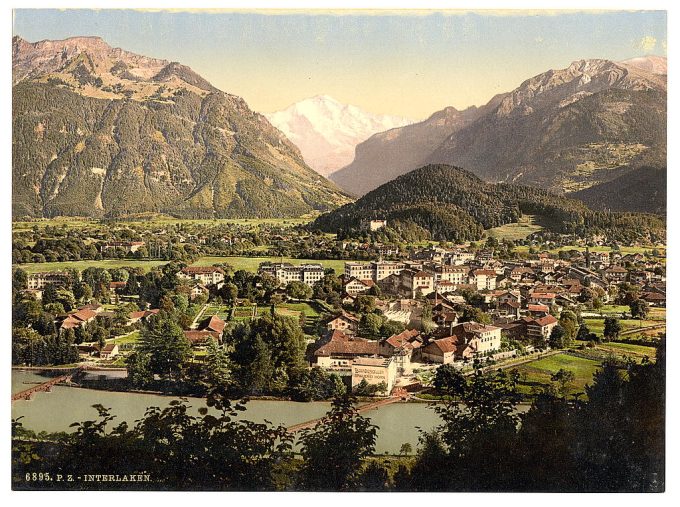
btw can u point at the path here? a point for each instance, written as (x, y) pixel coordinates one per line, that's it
(199, 315)
(361, 408)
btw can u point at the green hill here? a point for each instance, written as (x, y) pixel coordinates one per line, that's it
(452, 204)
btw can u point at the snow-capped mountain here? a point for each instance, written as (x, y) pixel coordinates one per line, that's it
(327, 131)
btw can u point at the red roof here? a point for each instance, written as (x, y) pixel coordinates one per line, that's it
(84, 315)
(404, 338)
(198, 270)
(538, 308)
(546, 321)
(198, 337)
(214, 323)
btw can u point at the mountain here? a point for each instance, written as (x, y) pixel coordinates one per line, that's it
(99, 131)
(565, 130)
(386, 155)
(443, 202)
(327, 131)
(623, 193)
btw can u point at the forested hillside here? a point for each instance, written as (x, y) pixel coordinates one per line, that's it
(455, 205)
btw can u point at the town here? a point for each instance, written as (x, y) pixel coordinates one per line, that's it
(380, 326)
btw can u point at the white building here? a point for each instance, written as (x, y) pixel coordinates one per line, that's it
(285, 273)
(207, 275)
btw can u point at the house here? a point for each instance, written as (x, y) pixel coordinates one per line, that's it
(402, 347)
(134, 317)
(654, 298)
(538, 310)
(117, 287)
(358, 270)
(345, 322)
(509, 309)
(542, 298)
(200, 338)
(78, 319)
(486, 338)
(198, 290)
(213, 324)
(466, 340)
(338, 350)
(207, 275)
(356, 286)
(109, 351)
(616, 274)
(539, 328)
(441, 351)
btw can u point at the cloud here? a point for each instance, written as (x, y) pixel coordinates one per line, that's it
(647, 43)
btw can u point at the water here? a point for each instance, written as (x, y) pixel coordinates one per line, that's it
(56, 410)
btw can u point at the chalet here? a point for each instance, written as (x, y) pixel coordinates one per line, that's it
(345, 322)
(356, 286)
(338, 350)
(109, 351)
(198, 290)
(77, 319)
(200, 338)
(142, 316)
(213, 324)
(207, 275)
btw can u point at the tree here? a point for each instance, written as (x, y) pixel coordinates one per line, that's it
(569, 323)
(564, 379)
(217, 367)
(334, 450)
(138, 369)
(405, 449)
(639, 309)
(299, 290)
(364, 304)
(371, 324)
(168, 349)
(612, 328)
(557, 337)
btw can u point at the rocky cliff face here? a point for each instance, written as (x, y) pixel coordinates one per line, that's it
(99, 131)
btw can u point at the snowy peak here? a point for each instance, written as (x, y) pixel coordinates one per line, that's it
(327, 131)
(651, 63)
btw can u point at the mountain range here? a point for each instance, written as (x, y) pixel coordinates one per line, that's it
(327, 131)
(99, 131)
(565, 130)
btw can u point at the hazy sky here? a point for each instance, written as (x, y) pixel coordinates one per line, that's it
(409, 64)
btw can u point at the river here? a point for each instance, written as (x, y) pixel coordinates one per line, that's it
(56, 410)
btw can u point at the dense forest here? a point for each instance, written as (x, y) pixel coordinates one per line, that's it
(455, 205)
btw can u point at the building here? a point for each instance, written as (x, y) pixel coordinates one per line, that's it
(207, 275)
(37, 281)
(537, 329)
(213, 324)
(402, 347)
(383, 269)
(358, 270)
(466, 340)
(417, 282)
(345, 322)
(374, 370)
(456, 275)
(200, 338)
(374, 225)
(109, 351)
(126, 246)
(483, 279)
(285, 272)
(338, 350)
(81, 318)
(356, 286)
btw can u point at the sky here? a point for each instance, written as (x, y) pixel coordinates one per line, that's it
(391, 62)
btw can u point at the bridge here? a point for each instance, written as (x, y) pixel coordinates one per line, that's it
(26, 394)
(397, 396)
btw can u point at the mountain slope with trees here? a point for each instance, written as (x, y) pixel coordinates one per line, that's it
(448, 203)
(98, 131)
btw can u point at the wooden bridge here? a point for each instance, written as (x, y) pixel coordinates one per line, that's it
(394, 398)
(26, 394)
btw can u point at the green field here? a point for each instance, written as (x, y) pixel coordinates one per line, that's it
(515, 231)
(252, 263)
(597, 325)
(624, 249)
(536, 374)
(131, 338)
(628, 348)
(36, 267)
